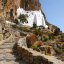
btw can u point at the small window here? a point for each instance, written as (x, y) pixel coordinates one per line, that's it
(11, 12)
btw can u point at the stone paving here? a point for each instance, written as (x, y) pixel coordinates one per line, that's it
(6, 54)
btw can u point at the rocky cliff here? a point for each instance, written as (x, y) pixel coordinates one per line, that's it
(7, 5)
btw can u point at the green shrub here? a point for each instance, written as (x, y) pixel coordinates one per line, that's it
(16, 21)
(34, 25)
(45, 39)
(37, 31)
(56, 32)
(14, 26)
(35, 47)
(22, 18)
(62, 36)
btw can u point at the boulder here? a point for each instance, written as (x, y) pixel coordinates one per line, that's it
(30, 39)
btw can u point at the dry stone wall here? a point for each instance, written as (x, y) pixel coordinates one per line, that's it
(30, 56)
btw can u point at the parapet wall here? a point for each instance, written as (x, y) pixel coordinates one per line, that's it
(31, 57)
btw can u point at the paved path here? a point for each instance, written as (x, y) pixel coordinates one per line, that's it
(6, 54)
(8, 57)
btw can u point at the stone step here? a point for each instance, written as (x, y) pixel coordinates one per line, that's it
(6, 46)
(9, 57)
(1, 51)
(8, 62)
(2, 57)
(6, 54)
(8, 43)
(2, 62)
(8, 50)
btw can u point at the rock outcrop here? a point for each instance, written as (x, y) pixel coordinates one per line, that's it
(31, 56)
(14, 4)
(30, 39)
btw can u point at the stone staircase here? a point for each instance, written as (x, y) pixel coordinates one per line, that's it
(7, 55)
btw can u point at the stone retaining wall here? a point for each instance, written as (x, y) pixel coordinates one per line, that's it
(30, 56)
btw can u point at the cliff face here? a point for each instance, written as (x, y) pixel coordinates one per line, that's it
(10, 4)
(14, 4)
(1, 7)
(30, 4)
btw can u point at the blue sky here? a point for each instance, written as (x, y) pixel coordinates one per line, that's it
(54, 11)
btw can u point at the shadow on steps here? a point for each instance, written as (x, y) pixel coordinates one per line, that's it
(18, 58)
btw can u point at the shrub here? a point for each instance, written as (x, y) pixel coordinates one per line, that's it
(16, 21)
(45, 39)
(51, 37)
(57, 31)
(37, 31)
(14, 26)
(22, 18)
(34, 25)
(35, 47)
(62, 36)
